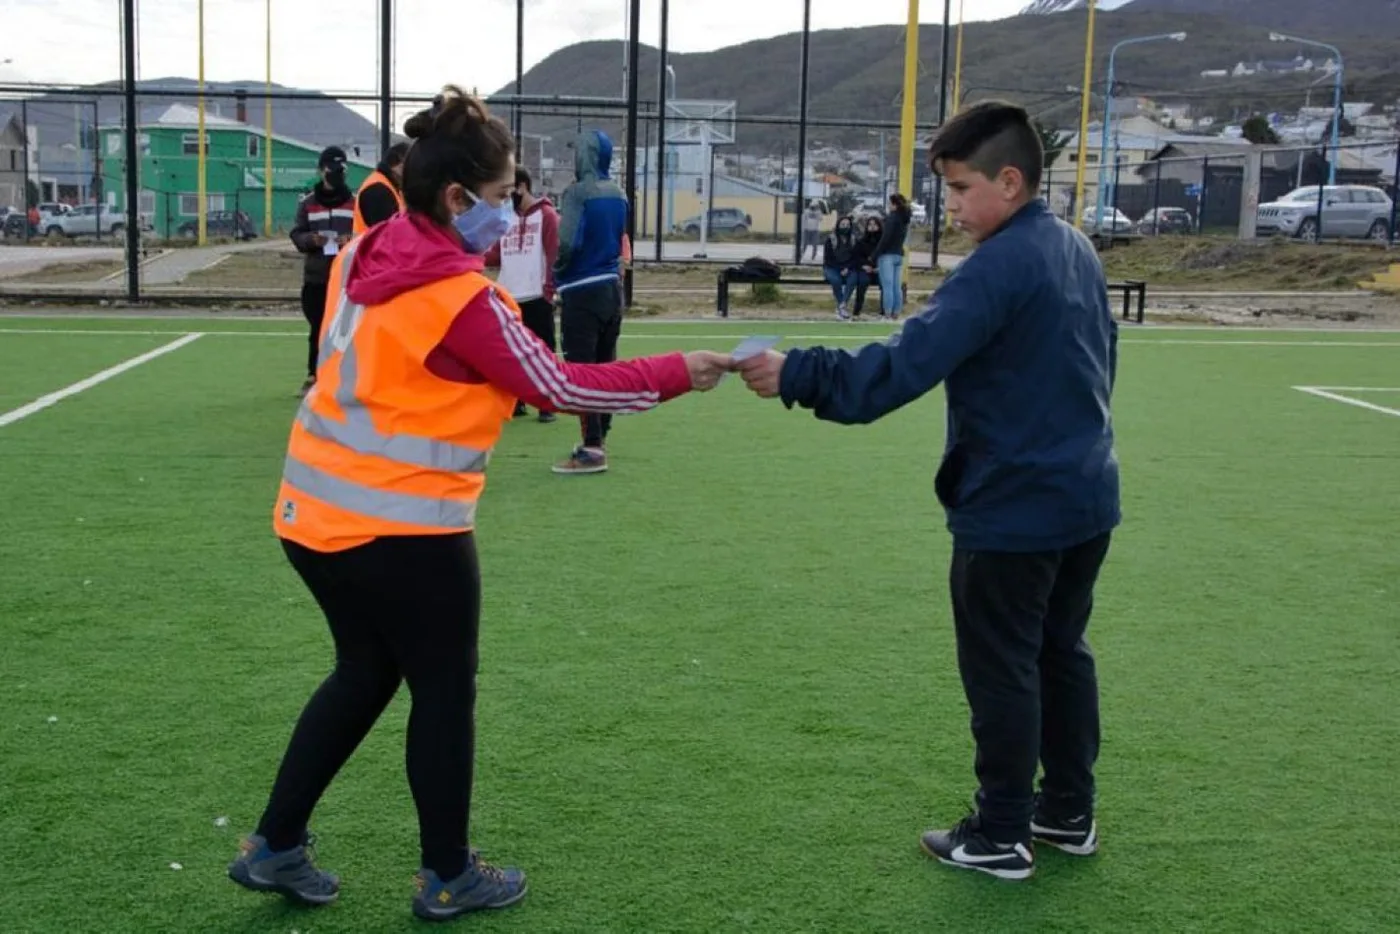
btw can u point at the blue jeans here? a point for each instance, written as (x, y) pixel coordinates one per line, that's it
(842, 285)
(889, 267)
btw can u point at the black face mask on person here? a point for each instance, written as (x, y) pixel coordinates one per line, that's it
(515, 199)
(335, 178)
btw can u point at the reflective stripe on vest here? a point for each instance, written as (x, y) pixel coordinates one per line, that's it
(378, 504)
(357, 433)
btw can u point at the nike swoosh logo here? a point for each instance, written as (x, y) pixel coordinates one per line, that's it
(961, 854)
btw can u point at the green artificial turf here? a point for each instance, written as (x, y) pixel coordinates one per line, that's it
(718, 688)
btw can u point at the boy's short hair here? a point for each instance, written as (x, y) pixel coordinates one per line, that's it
(522, 177)
(988, 137)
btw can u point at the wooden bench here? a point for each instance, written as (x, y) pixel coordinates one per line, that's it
(1129, 289)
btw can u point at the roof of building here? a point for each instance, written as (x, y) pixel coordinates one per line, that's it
(185, 117)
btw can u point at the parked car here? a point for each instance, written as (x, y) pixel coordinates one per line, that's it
(722, 220)
(85, 220)
(1111, 220)
(1351, 211)
(1166, 221)
(227, 225)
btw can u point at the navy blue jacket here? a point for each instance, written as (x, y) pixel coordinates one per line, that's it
(1023, 335)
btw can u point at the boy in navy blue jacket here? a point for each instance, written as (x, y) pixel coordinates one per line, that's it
(1022, 335)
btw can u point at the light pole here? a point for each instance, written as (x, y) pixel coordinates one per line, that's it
(1336, 95)
(1099, 198)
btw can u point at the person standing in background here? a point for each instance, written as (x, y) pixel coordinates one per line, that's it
(325, 222)
(811, 229)
(525, 256)
(381, 195)
(889, 257)
(588, 276)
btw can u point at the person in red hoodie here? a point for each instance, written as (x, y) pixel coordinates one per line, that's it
(419, 367)
(525, 256)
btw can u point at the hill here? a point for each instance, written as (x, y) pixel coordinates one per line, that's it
(1331, 21)
(1030, 58)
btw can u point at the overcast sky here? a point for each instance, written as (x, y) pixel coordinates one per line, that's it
(333, 45)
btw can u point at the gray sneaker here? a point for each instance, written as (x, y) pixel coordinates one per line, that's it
(291, 873)
(481, 886)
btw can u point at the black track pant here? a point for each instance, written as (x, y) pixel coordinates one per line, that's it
(313, 307)
(591, 322)
(399, 608)
(1029, 678)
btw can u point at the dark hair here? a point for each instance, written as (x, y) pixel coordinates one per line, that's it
(901, 204)
(455, 140)
(990, 136)
(394, 155)
(522, 177)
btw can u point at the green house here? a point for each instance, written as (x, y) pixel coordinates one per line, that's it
(235, 169)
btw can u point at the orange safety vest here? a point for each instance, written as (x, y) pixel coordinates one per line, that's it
(375, 178)
(382, 446)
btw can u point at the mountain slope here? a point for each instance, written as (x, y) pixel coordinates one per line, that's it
(856, 73)
(1045, 7)
(1326, 21)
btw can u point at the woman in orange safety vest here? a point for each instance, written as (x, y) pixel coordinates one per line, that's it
(421, 362)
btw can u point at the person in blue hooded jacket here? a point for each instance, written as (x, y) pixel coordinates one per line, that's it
(592, 228)
(1022, 335)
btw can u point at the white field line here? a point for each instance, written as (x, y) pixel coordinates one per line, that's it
(53, 398)
(1359, 403)
(661, 323)
(1223, 342)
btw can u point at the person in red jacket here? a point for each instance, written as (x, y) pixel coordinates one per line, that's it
(525, 256)
(377, 507)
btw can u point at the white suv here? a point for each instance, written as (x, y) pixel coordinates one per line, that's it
(1351, 211)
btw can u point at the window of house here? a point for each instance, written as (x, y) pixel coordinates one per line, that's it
(114, 143)
(189, 203)
(189, 144)
(254, 146)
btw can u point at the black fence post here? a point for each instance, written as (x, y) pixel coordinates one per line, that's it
(1394, 192)
(24, 119)
(801, 200)
(133, 154)
(386, 74)
(1205, 192)
(1157, 198)
(1321, 192)
(634, 45)
(661, 152)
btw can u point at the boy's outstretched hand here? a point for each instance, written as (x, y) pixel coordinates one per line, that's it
(707, 368)
(763, 372)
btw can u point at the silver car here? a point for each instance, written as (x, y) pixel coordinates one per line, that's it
(1352, 211)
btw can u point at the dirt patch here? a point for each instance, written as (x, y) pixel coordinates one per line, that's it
(1209, 263)
(70, 273)
(1362, 310)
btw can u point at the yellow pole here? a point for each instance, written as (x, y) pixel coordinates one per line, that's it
(957, 90)
(1084, 121)
(203, 213)
(907, 118)
(957, 63)
(267, 133)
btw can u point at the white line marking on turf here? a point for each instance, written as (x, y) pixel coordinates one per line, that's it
(1323, 393)
(1359, 388)
(43, 402)
(1192, 342)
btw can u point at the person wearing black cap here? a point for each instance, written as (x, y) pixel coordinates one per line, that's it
(325, 222)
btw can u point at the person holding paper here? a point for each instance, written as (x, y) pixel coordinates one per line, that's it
(324, 223)
(1023, 335)
(422, 360)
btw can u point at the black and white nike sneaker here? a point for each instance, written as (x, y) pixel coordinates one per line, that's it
(967, 847)
(1078, 836)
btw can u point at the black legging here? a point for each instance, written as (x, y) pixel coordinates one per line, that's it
(313, 309)
(399, 608)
